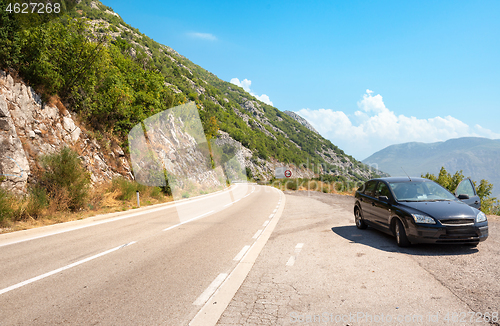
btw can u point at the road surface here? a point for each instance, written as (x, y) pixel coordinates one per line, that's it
(150, 267)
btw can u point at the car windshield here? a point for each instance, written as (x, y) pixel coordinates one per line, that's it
(420, 191)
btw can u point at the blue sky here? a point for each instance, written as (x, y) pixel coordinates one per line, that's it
(366, 74)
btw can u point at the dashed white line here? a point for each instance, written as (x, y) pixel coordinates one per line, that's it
(274, 210)
(291, 261)
(37, 278)
(241, 253)
(256, 235)
(194, 218)
(271, 216)
(298, 247)
(265, 223)
(210, 290)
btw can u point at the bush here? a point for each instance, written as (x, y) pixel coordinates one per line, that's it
(37, 201)
(126, 188)
(6, 211)
(291, 185)
(65, 180)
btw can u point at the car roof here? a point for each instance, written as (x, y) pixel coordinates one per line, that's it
(402, 179)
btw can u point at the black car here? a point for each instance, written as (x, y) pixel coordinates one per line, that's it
(418, 210)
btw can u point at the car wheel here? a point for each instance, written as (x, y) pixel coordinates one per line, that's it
(360, 224)
(400, 232)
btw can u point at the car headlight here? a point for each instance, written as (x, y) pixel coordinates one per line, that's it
(481, 217)
(423, 219)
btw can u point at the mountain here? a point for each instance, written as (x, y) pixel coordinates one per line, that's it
(301, 120)
(478, 158)
(111, 77)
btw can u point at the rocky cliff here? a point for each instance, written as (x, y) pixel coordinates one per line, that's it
(30, 128)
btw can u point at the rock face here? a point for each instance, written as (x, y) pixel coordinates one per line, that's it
(301, 120)
(30, 128)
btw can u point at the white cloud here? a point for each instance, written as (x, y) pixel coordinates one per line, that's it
(245, 84)
(203, 36)
(377, 127)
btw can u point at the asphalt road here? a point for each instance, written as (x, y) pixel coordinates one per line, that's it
(318, 269)
(148, 267)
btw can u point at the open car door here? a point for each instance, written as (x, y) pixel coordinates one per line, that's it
(466, 192)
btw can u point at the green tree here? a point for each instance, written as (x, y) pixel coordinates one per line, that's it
(451, 182)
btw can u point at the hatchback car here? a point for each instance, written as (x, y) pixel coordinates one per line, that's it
(418, 210)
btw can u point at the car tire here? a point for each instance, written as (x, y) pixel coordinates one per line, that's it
(360, 224)
(399, 231)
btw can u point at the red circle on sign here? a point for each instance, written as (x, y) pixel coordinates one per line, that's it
(288, 173)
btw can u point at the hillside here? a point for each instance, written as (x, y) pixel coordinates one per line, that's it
(113, 77)
(479, 158)
(301, 120)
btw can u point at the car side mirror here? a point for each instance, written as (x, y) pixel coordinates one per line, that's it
(384, 199)
(463, 196)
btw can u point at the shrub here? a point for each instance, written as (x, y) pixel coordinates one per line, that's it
(291, 185)
(126, 188)
(6, 210)
(37, 201)
(65, 180)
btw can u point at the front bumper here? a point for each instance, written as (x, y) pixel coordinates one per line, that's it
(456, 234)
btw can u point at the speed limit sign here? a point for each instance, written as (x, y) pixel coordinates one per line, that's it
(288, 173)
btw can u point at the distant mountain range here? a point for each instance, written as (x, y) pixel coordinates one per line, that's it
(478, 158)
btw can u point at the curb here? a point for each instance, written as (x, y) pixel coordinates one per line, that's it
(213, 309)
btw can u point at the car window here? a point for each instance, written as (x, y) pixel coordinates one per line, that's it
(465, 188)
(420, 191)
(370, 188)
(382, 190)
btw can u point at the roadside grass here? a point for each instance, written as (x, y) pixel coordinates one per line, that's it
(35, 209)
(63, 192)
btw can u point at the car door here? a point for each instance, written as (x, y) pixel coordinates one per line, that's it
(366, 200)
(466, 192)
(381, 210)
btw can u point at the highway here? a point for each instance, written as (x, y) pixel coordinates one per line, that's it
(152, 266)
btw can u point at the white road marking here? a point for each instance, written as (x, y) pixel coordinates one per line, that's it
(265, 223)
(241, 253)
(228, 204)
(194, 218)
(274, 210)
(298, 248)
(292, 259)
(37, 278)
(271, 216)
(210, 290)
(256, 235)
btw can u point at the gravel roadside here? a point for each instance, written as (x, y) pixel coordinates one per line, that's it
(318, 269)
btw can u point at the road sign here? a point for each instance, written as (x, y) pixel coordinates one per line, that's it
(279, 172)
(288, 173)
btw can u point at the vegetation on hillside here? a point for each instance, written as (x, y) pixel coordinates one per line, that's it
(114, 77)
(489, 205)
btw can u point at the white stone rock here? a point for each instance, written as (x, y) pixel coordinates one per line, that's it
(50, 112)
